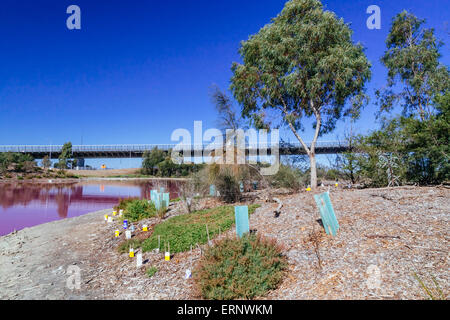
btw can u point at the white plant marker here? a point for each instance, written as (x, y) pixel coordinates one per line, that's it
(128, 234)
(188, 273)
(139, 260)
(120, 212)
(109, 219)
(159, 244)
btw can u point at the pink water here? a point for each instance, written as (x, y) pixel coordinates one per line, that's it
(29, 204)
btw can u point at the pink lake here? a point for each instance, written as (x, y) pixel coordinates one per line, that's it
(26, 204)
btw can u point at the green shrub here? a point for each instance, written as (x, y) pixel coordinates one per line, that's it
(228, 186)
(123, 203)
(287, 177)
(240, 268)
(189, 229)
(139, 209)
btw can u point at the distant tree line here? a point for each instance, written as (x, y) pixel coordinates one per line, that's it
(157, 163)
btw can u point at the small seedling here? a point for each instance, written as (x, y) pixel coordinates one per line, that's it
(151, 271)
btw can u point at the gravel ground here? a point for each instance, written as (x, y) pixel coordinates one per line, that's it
(385, 235)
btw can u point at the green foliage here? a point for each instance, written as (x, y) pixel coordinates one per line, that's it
(123, 203)
(287, 177)
(46, 162)
(419, 139)
(412, 59)
(228, 186)
(151, 271)
(240, 268)
(189, 229)
(435, 293)
(155, 162)
(139, 209)
(66, 154)
(125, 246)
(303, 64)
(16, 162)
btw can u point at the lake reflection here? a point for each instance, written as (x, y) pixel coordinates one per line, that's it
(28, 204)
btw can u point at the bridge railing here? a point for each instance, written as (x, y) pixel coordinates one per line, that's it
(148, 147)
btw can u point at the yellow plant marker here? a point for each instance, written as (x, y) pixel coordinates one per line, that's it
(114, 213)
(106, 217)
(116, 233)
(336, 184)
(131, 252)
(167, 255)
(144, 227)
(308, 189)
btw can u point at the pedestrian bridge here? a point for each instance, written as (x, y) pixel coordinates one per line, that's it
(137, 150)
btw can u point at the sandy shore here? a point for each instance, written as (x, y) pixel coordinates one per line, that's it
(396, 231)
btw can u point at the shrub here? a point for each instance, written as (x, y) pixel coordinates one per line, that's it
(123, 203)
(189, 229)
(240, 268)
(228, 186)
(287, 177)
(139, 209)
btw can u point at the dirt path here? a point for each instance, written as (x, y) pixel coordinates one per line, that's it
(34, 260)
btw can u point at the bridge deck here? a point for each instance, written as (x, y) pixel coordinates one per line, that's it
(137, 151)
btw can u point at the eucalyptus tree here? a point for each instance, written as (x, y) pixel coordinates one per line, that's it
(302, 65)
(415, 75)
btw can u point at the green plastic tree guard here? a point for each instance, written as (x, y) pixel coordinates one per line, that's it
(166, 199)
(241, 217)
(327, 214)
(153, 195)
(212, 190)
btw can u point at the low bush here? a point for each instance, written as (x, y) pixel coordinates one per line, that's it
(240, 268)
(189, 229)
(123, 203)
(139, 209)
(287, 177)
(228, 186)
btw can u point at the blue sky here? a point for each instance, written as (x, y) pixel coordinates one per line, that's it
(137, 70)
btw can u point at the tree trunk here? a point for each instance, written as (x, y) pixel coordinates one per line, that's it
(312, 162)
